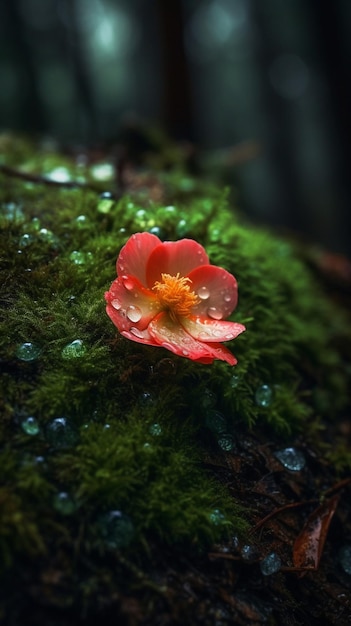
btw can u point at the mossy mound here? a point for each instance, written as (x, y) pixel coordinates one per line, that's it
(103, 440)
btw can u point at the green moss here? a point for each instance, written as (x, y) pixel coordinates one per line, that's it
(55, 268)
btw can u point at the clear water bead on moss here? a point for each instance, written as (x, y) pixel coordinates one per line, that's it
(226, 442)
(80, 258)
(30, 425)
(182, 228)
(263, 395)
(248, 553)
(155, 430)
(63, 503)
(59, 174)
(105, 205)
(25, 240)
(158, 231)
(270, 564)
(103, 171)
(291, 458)
(234, 381)
(344, 557)
(81, 221)
(28, 351)
(61, 433)
(47, 236)
(217, 517)
(116, 529)
(74, 350)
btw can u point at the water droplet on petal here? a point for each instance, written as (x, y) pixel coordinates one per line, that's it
(116, 304)
(137, 332)
(216, 314)
(203, 293)
(291, 458)
(263, 395)
(270, 564)
(134, 314)
(227, 297)
(128, 283)
(185, 352)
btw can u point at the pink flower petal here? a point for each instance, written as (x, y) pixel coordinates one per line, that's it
(172, 257)
(134, 255)
(209, 330)
(129, 304)
(173, 337)
(217, 290)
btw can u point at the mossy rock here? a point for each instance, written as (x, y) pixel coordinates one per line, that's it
(105, 442)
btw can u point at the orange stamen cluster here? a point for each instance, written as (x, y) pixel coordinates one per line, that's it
(175, 295)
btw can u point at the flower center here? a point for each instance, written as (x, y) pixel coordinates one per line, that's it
(175, 295)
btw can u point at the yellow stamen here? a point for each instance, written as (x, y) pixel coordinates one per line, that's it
(175, 295)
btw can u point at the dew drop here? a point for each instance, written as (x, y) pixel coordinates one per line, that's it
(47, 235)
(234, 381)
(103, 171)
(128, 282)
(116, 529)
(30, 426)
(77, 257)
(270, 564)
(59, 174)
(28, 351)
(134, 314)
(216, 314)
(137, 332)
(185, 352)
(291, 458)
(217, 517)
(248, 553)
(74, 350)
(203, 293)
(227, 297)
(263, 395)
(116, 304)
(25, 240)
(61, 433)
(64, 503)
(81, 221)
(155, 430)
(226, 442)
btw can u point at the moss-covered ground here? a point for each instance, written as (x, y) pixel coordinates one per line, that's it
(114, 453)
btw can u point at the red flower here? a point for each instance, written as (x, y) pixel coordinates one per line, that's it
(168, 295)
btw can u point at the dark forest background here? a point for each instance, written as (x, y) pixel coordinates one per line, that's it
(261, 85)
